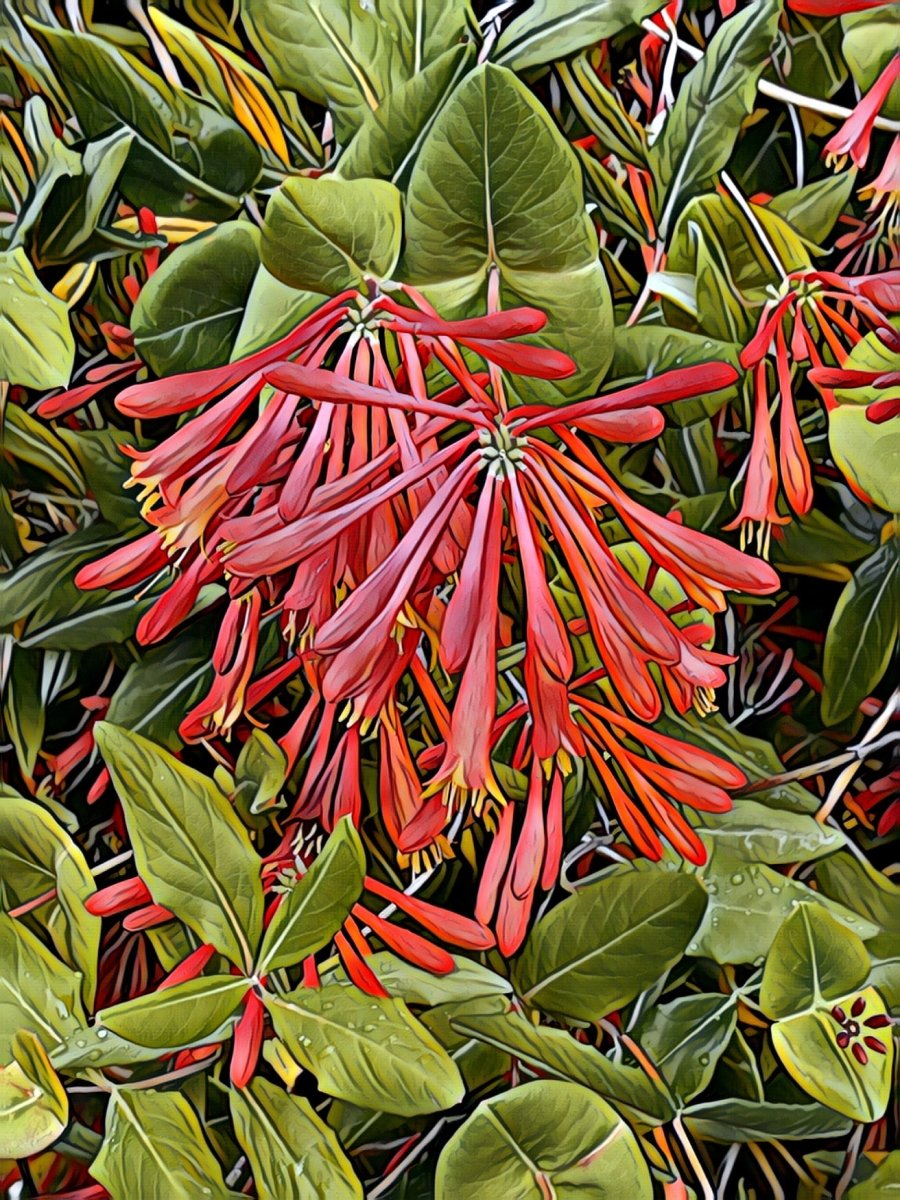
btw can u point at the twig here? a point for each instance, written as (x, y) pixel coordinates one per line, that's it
(843, 781)
(788, 96)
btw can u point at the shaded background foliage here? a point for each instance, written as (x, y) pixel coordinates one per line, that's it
(181, 185)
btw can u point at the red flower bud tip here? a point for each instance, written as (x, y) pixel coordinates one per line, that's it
(147, 918)
(360, 972)
(272, 910)
(118, 897)
(310, 973)
(859, 1054)
(859, 1005)
(448, 926)
(194, 1054)
(409, 945)
(248, 1037)
(189, 968)
(875, 1044)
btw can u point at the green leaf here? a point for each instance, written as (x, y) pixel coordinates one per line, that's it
(812, 959)
(813, 210)
(293, 1153)
(154, 1148)
(388, 138)
(327, 234)
(552, 29)
(186, 156)
(260, 773)
(204, 177)
(868, 893)
(862, 633)
(162, 685)
(556, 1053)
(496, 185)
(37, 349)
(273, 309)
(713, 99)
(38, 993)
(686, 1037)
(867, 454)
(467, 980)
(317, 905)
(543, 1139)
(27, 440)
(748, 902)
(762, 1121)
(807, 1046)
(756, 833)
(107, 87)
(350, 57)
(189, 847)
(36, 856)
(74, 216)
(34, 1108)
(24, 711)
(177, 1016)
(188, 313)
(883, 1182)
(480, 1062)
(366, 1049)
(603, 946)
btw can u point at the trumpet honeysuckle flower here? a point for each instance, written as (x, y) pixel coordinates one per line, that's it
(854, 137)
(813, 305)
(364, 486)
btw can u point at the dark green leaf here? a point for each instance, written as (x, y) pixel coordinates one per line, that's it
(189, 847)
(551, 29)
(597, 950)
(862, 634)
(318, 904)
(496, 186)
(718, 93)
(293, 1153)
(327, 234)
(367, 1049)
(540, 1139)
(188, 314)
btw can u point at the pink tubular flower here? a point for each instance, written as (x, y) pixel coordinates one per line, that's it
(855, 135)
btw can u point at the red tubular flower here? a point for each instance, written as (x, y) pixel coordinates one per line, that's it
(248, 1039)
(517, 894)
(118, 898)
(834, 8)
(409, 945)
(759, 513)
(855, 135)
(356, 967)
(645, 789)
(147, 917)
(188, 968)
(234, 658)
(448, 926)
(413, 822)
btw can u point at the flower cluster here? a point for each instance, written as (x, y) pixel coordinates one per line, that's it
(365, 487)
